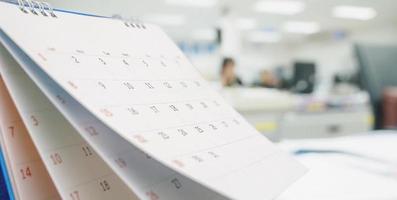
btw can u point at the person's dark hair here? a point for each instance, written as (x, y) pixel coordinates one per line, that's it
(226, 62)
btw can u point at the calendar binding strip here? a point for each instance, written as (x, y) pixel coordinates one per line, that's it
(15, 2)
(131, 23)
(137, 23)
(36, 8)
(45, 9)
(134, 23)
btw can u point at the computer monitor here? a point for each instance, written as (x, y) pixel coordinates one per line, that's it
(304, 77)
(377, 70)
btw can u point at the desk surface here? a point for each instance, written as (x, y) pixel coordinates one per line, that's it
(349, 168)
(273, 100)
(258, 99)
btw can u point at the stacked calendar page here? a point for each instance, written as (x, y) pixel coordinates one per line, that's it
(98, 108)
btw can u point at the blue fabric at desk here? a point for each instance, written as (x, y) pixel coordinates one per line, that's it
(5, 186)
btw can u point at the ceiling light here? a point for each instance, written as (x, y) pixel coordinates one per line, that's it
(264, 37)
(246, 23)
(301, 27)
(193, 3)
(282, 7)
(166, 19)
(354, 12)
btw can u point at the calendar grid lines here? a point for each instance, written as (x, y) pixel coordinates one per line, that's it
(35, 160)
(104, 53)
(270, 154)
(154, 103)
(160, 181)
(179, 126)
(217, 146)
(134, 80)
(90, 181)
(16, 121)
(150, 185)
(63, 147)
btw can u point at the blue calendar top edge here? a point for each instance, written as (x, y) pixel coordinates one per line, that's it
(64, 11)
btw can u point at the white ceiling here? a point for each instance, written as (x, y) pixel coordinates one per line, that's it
(208, 17)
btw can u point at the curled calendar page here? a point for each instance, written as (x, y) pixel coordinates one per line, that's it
(129, 97)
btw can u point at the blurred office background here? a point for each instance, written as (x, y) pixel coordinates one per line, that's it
(304, 68)
(317, 76)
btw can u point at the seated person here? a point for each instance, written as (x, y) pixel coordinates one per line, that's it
(228, 75)
(268, 80)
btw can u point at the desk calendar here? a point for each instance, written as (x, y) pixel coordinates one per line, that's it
(99, 108)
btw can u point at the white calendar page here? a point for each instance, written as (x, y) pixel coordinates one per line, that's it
(28, 175)
(148, 178)
(7, 162)
(136, 82)
(76, 170)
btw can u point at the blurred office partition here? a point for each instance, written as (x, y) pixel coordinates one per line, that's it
(378, 70)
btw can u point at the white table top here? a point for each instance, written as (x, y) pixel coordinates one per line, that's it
(355, 168)
(273, 100)
(258, 99)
